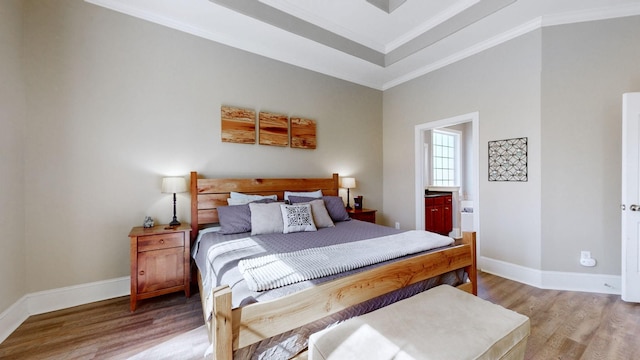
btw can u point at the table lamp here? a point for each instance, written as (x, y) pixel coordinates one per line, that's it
(348, 183)
(174, 185)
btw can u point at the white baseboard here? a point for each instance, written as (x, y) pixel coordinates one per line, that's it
(51, 300)
(62, 298)
(11, 318)
(553, 280)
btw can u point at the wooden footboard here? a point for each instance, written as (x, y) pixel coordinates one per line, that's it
(233, 329)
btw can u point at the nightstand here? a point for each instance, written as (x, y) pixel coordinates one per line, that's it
(363, 214)
(160, 262)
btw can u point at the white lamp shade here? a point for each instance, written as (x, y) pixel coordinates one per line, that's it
(348, 182)
(172, 185)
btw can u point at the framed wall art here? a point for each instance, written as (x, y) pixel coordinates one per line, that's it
(508, 160)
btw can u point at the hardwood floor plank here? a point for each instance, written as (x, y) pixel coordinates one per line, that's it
(564, 325)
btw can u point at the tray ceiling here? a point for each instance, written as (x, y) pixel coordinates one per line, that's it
(375, 43)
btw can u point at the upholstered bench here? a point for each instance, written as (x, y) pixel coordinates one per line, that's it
(441, 323)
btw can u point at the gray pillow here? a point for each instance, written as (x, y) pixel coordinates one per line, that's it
(235, 219)
(334, 206)
(266, 218)
(321, 216)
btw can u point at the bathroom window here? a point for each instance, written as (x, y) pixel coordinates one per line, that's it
(445, 161)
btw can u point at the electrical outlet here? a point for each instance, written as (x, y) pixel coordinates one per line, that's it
(586, 260)
(397, 225)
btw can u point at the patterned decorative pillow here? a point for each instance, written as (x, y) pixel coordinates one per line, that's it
(297, 218)
(334, 205)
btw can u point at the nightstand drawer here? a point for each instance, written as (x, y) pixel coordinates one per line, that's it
(160, 241)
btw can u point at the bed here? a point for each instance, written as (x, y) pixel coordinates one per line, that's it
(234, 325)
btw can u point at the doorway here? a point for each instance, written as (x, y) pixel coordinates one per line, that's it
(420, 167)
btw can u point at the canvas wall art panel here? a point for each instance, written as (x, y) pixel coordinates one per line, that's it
(238, 125)
(274, 129)
(303, 133)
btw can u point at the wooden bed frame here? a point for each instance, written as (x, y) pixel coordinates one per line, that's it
(230, 329)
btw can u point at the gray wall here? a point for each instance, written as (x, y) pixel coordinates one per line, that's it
(503, 85)
(562, 88)
(116, 102)
(12, 121)
(586, 69)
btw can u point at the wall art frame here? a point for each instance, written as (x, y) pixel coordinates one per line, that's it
(508, 160)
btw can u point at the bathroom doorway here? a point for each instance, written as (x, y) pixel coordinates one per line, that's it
(469, 175)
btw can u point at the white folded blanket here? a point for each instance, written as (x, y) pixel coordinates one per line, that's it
(276, 270)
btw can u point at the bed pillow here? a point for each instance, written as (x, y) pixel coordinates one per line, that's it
(266, 218)
(240, 198)
(235, 219)
(311, 194)
(321, 216)
(334, 205)
(297, 218)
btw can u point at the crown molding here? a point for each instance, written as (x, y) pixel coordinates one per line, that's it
(277, 43)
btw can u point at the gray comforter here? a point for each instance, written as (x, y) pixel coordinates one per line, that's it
(221, 268)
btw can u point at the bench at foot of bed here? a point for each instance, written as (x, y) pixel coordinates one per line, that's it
(441, 323)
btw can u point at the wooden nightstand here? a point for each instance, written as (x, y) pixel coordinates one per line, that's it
(363, 214)
(160, 261)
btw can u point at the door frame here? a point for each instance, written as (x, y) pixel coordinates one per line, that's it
(419, 130)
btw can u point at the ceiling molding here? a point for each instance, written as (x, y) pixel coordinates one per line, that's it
(387, 6)
(459, 21)
(217, 23)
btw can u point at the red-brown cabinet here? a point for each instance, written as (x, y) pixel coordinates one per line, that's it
(438, 213)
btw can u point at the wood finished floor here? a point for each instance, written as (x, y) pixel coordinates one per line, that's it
(564, 325)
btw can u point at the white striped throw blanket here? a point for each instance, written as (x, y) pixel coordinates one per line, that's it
(276, 270)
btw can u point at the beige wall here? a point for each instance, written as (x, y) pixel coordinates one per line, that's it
(12, 122)
(586, 69)
(503, 85)
(562, 88)
(116, 102)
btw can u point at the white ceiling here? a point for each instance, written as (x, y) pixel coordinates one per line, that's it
(357, 41)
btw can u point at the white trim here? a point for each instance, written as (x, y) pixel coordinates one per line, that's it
(195, 17)
(11, 318)
(603, 13)
(474, 118)
(51, 300)
(470, 51)
(552, 280)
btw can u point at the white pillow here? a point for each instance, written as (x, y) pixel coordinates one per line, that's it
(241, 199)
(266, 218)
(297, 218)
(321, 216)
(313, 194)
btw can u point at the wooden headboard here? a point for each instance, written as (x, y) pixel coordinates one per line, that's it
(208, 194)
